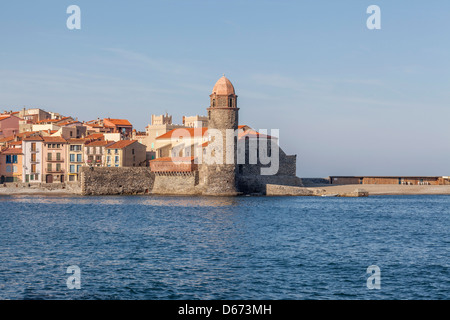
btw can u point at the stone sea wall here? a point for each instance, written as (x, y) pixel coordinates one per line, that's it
(112, 180)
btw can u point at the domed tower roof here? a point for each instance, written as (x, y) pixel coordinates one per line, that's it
(223, 87)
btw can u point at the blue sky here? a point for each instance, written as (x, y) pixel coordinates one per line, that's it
(347, 100)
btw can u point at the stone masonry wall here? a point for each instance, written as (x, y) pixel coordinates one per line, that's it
(121, 180)
(176, 183)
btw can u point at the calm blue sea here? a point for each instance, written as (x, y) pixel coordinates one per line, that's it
(149, 247)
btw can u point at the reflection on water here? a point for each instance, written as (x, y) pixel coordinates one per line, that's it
(171, 201)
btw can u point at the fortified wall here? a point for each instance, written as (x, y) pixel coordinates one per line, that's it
(112, 180)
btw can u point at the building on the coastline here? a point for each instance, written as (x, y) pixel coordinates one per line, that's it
(95, 153)
(180, 172)
(32, 159)
(122, 126)
(75, 158)
(195, 121)
(126, 153)
(400, 180)
(54, 159)
(180, 142)
(9, 125)
(11, 165)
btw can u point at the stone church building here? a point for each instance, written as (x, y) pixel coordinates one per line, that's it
(184, 174)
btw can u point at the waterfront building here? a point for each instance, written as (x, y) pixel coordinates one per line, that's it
(180, 142)
(75, 158)
(95, 153)
(159, 125)
(11, 162)
(195, 121)
(9, 125)
(126, 153)
(32, 159)
(401, 180)
(122, 126)
(54, 159)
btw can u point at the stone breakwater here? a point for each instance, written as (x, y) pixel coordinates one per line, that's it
(278, 190)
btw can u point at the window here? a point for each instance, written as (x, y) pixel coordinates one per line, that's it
(8, 159)
(109, 151)
(33, 146)
(49, 156)
(78, 168)
(14, 158)
(72, 157)
(8, 168)
(230, 103)
(33, 168)
(14, 168)
(33, 157)
(58, 156)
(58, 146)
(108, 158)
(132, 151)
(116, 151)
(49, 167)
(79, 157)
(116, 159)
(58, 167)
(72, 168)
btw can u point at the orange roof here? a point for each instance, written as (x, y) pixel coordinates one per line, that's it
(15, 143)
(121, 144)
(118, 122)
(76, 141)
(55, 139)
(33, 138)
(250, 133)
(171, 159)
(99, 143)
(12, 151)
(2, 117)
(96, 136)
(192, 132)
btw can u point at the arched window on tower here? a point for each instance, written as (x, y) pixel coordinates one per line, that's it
(230, 103)
(214, 103)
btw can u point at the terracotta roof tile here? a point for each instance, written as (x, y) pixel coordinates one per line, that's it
(121, 144)
(193, 132)
(117, 122)
(12, 151)
(55, 139)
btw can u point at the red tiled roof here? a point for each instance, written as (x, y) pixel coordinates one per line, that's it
(96, 136)
(121, 144)
(12, 151)
(33, 138)
(172, 159)
(192, 132)
(76, 141)
(99, 143)
(118, 122)
(250, 133)
(55, 139)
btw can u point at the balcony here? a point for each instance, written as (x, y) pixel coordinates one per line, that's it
(34, 150)
(54, 159)
(35, 161)
(54, 170)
